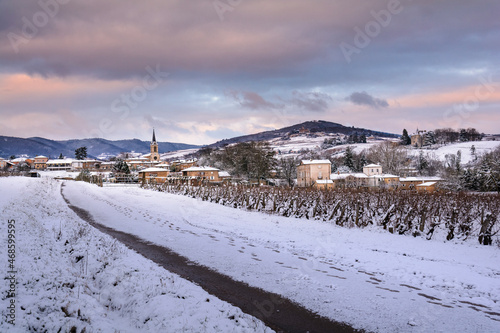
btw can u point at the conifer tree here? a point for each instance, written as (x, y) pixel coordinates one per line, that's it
(405, 138)
(348, 158)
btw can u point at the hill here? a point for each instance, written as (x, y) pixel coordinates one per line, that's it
(95, 147)
(317, 126)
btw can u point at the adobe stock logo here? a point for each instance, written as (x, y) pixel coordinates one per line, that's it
(363, 38)
(458, 113)
(225, 6)
(31, 28)
(122, 106)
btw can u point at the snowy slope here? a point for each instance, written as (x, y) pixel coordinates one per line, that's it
(482, 147)
(371, 280)
(293, 146)
(70, 275)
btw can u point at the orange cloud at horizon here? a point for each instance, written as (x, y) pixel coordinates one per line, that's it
(14, 87)
(469, 96)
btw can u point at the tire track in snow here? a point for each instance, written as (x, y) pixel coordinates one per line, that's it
(274, 310)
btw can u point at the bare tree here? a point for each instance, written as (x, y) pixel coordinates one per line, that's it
(288, 169)
(390, 155)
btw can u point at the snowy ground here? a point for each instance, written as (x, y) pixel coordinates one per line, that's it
(292, 147)
(371, 280)
(178, 154)
(482, 147)
(71, 275)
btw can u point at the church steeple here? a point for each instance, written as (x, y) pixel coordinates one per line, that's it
(154, 155)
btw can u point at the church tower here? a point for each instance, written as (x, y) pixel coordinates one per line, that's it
(154, 156)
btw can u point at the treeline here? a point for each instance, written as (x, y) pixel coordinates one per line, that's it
(444, 136)
(483, 174)
(353, 138)
(443, 215)
(449, 135)
(250, 160)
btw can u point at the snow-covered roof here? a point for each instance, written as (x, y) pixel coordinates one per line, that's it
(85, 161)
(372, 166)
(419, 179)
(224, 174)
(426, 184)
(385, 175)
(60, 161)
(137, 159)
(153, 170)
(336, 176)
(41, 156)
(185, 161)
(202, 168)
(307, 162)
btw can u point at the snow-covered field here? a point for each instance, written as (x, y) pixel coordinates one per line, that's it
(482, 147)
(292, 147)
(71, 275)
(375, 281)
(371, 280)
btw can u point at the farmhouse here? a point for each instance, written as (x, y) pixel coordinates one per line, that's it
(153, 175)
(349, 180)
(410, 183)
(4, 164)
(203, 173)
(181, 165)
(384, 180)
(324, 184)
(372, 169)
(310, 171)
(40, 162)
(22, 161)
(60, 164)
(427, 187)
(88, 164)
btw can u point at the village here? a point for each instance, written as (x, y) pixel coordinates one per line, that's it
(150, 169)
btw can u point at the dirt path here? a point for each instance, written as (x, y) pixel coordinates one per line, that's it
(276, 312)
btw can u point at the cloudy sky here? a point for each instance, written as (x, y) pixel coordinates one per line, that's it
(204, 70)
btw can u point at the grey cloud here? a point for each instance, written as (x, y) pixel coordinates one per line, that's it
(252, 100)
(163, 124)
(311, 101)
(363, 98)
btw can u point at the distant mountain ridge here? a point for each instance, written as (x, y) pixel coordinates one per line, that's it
(310, 126)
(95, 147)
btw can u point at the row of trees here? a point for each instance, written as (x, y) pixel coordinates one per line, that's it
(483, 174)
(443, 215)
(251, 160)
(444, 136)
(353, 138)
